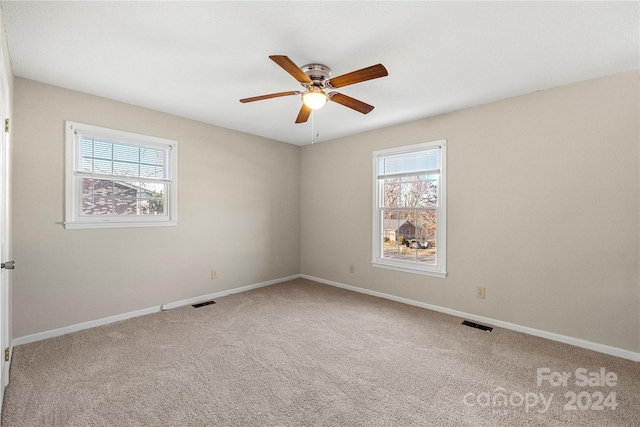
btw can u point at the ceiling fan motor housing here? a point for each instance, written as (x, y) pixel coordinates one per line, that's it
(318, 73)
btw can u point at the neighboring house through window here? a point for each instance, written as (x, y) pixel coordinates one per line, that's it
(119, 179)
(409, 209)
(393, 229)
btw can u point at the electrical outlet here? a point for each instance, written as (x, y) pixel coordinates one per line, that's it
(480, 292)
(214, 274)
(352, 268)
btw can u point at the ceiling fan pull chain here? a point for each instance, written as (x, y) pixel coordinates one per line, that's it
(313, 115)
(314, 126)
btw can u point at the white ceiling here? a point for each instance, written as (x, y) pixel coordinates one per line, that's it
(197, 59)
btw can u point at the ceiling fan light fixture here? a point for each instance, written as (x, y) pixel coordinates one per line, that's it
(314, 98)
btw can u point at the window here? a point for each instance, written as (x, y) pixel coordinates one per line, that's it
(119, 179)
(409, 216)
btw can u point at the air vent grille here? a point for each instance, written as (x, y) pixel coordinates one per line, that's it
(477, 326)
(202, 304)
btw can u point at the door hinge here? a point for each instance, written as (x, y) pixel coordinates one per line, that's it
(6, 125)
(6, 354)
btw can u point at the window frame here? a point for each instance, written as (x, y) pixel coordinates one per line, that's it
(439, 269)
(73, 186)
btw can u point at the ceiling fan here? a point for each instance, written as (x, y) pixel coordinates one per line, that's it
(315, 78)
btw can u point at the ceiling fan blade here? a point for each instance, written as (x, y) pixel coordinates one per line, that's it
(350, 102)
(269, 96)
(304, 114)
(369, 73)
(290, 67)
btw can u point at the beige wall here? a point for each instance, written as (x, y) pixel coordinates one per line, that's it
(543, 210)
(238, 212)
(543, 207)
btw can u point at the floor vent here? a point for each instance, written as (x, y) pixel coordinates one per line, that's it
(477, 326)
(202, 304)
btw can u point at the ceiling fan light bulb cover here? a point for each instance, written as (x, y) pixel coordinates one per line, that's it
(314, 98)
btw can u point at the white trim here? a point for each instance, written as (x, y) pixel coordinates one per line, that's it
(221, 294)
(74, 219)
(407, 149)
(377, 259)
(601, 348)
(119, 224)
(27, 339)
(389, 265)
(121, 136)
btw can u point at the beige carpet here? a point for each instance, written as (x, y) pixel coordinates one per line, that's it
(305, 354)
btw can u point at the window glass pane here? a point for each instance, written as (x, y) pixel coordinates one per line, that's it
(412, 191)
(390, 250)
(123, 190)
(406, 234)
(125, 206)
(87, 165)
(106, 197)
(389, 225)
(152, 199)
(97, 187)
(414, 238)
(125, 169)
(87, 147)
(87, 186)
(426, 235)
(408, 192)
(151, 206)
(102, 166)
(391, 192)
(408, 225)
(398, 230)
(97, 206)
(409, 235)
(126, 153)
(109, 158)
(425, 188)
(102, 149)
(150, 171)
(152, 156)
(86, 150)
(153, 188)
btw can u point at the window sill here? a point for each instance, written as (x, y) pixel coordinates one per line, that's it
(119, 224)
(409, 269)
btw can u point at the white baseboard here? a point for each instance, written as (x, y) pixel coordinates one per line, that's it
(220, 294)
(81, 326)
(112, 319)
(613, 351)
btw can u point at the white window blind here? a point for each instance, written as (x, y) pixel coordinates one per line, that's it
(102, 157)
(410, 164)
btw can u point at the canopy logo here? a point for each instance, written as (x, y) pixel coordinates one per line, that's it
(499, 401)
